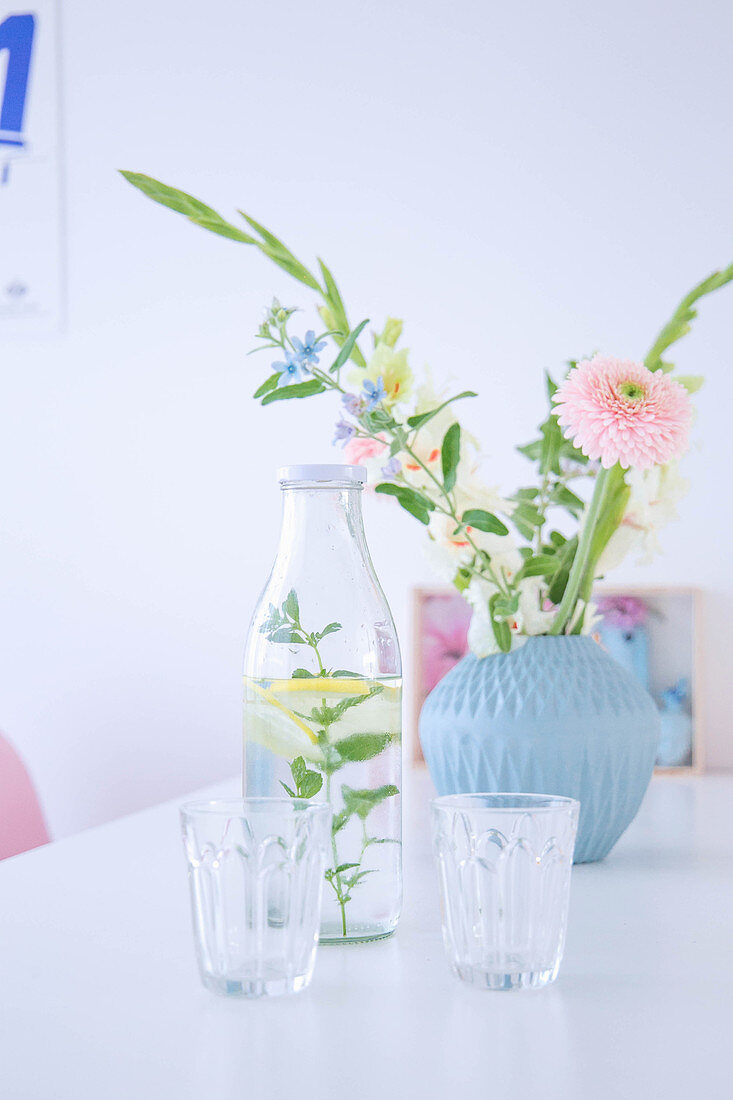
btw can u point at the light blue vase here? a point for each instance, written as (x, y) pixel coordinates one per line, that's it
(557, 716)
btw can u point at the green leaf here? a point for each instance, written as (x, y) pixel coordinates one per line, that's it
(681, 320)
(330, 629)
(356, 878)
(280, 254)
(288, 790)
(691, 382)
(298, 770)
(462, 580)
(222, 228)
(174, 199)
(504, 606)
(297, 389)
(574, 454)
(268, 385)
(484, 521)
(540, 565)
(332, 291)
(362, 746)
(502, 633)
(526, 518)
(551, 443)
(567, 499)
(413, 502)
(362, 802)
(347, 347)
(450, 454)
(532, 451)
(339, 820)
(266, 235)
(341, 672)
(326, 715)
(344, 867)
(302, 674)
(291, 606)
(559, 582)
(399, 439)
(311, 785)
(287, 635)
(419, 419)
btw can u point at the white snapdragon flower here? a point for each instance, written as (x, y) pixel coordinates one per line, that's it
(652, 504)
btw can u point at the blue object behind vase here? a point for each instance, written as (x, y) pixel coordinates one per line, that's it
(557, 716)
(630, 648)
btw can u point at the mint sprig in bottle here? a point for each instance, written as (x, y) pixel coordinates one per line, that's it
(323, 696)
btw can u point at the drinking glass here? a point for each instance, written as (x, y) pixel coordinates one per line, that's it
(256, 871)
(504, 862)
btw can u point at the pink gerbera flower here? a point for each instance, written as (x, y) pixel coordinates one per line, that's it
(619, 411)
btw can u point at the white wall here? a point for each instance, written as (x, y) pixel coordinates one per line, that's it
(523, 182)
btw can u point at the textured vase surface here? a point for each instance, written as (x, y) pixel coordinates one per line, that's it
(557, 716)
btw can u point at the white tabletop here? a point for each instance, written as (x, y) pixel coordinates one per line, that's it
(100, 998)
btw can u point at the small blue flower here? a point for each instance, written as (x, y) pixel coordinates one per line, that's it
(392, 468)
(344, 431)
(291, 370)
(307, 348)
(354, 404)
(374, 393)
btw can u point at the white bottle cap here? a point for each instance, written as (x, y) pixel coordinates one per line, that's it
(323, 472)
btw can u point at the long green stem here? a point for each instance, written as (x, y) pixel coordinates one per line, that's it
(582, 554)
(336, 881)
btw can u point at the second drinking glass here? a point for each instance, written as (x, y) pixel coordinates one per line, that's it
(322, 696)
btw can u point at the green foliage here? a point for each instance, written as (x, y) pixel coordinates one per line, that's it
(268, 385)
(499, 625)
(420, 419)
(362, 746)
(326, 715)
(270, 245)
(296, 389)
(283, 625)
(450, 456)
(484, 521)
(347, 347)
(539, 565)
(417, 504)
(681, 320)
(566, 564)
(362, 802)
(307, 783)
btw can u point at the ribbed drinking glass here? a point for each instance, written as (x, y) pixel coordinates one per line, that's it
(504, 862)
(255, 868)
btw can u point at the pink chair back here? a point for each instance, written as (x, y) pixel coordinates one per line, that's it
(21, 820)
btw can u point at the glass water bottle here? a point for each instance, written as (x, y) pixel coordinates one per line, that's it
(323, 695)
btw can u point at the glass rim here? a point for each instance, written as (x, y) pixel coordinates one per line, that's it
(242, 807)
(526, 801)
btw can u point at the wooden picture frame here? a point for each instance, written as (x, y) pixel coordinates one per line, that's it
(426, 664)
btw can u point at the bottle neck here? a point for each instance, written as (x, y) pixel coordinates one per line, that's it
(321, 523)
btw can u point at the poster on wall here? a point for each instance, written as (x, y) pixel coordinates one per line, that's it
(31, 230)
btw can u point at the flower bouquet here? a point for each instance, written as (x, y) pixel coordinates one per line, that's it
(606, 479)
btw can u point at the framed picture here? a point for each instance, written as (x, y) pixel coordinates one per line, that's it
(440, 630)
(654, 632)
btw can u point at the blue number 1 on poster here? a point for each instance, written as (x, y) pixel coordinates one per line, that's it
(16, 36)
